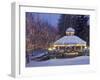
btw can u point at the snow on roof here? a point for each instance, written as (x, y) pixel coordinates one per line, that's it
(69, 40)
(70, 30)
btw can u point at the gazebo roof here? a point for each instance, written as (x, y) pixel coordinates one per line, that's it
(70, 30)
(69, 40)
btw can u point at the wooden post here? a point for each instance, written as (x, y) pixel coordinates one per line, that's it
(81, 49)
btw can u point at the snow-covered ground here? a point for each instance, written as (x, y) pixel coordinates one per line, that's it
(58, 62)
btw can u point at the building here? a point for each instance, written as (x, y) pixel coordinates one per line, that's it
(70, 43)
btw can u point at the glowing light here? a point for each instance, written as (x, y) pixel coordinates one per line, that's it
(50, 49)
(53, 48)
(85, 47)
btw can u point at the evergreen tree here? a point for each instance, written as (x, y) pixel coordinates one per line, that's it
(65, 22)
(82, 27)
(79, 22)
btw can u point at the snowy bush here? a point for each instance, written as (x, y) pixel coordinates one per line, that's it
(86, 52)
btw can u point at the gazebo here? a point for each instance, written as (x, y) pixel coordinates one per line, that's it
(70, 43)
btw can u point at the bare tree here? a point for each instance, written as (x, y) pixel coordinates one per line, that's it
(39, 34)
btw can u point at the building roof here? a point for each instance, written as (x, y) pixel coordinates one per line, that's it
(70, 30)
(69, 40)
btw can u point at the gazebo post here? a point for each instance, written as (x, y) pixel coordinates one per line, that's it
(74, 48)
(81, 48)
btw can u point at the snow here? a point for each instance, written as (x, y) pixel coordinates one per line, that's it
(59, 62)
(69, 40)
(39, 53)
(70, 30)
